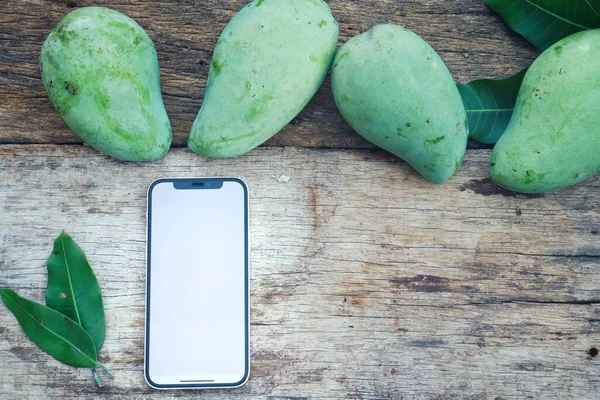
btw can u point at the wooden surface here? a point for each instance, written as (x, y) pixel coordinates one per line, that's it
(366, 281)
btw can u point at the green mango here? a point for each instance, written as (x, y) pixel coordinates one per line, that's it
(100, 71)
(553, 138)
(268, 63)
(397, 93)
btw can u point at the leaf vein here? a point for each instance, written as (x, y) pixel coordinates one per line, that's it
(556, 16)
(62, 243)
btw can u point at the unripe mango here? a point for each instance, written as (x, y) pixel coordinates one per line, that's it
(268, 63)
(100, 70)
(553, 138)
(397, 93)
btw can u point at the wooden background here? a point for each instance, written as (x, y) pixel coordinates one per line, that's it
(366, 281)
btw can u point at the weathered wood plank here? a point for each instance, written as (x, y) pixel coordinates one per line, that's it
(470, 38)
(366, 281)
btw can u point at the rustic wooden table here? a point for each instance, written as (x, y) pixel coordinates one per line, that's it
(366, 281)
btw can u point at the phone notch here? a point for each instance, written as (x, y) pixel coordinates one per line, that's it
(189, 184)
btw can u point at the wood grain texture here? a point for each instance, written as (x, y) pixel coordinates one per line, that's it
(366, 281)
(474, 42)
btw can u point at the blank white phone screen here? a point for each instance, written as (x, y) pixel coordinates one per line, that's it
(197, 300)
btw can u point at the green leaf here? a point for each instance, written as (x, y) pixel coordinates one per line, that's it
(73, 289)
(545, 22)
(489, 104)
(53, 332)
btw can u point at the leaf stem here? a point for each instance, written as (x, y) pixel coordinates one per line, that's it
(107, 370)
(97, 378)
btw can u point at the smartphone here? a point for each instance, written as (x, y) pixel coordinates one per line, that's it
(197, 297)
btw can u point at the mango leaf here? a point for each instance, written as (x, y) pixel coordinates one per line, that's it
(73, 289)
(489, 104)
(53, 332)
(545, 22)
